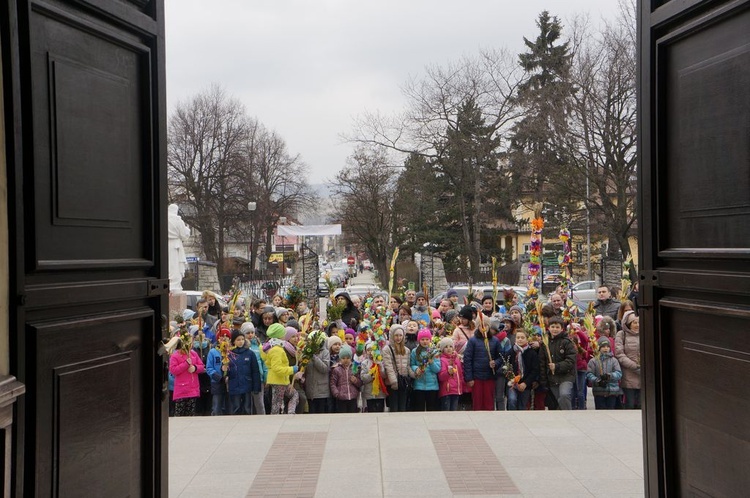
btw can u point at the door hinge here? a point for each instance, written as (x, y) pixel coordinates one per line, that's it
(649, 277)
(158, 287)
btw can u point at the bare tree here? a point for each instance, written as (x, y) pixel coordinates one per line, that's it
(468, 102)
(204, 151)
(275, 180)
(365, 189)
(601, 140)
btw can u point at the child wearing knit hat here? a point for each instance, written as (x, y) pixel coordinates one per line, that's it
(244, 376)
(604, 374)
(451, 376)
(350, 337)
(258, 405)
(334, 347)
(345, 383)
(279, 371)
(426, 365)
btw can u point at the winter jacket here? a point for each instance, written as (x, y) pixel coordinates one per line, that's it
(460, 339)
(582, 358)
(279, 371)
(262, 368)
(186, 384)
(423, 317)
(213, 369)
(428, 381)
(244, 375)
(608, 307)
(563, 356)
(341, 385)
(477, 360)
(368, 380)
(607, 364)
(530, 359)
(350, 313)
(203, 377)
(411, 342)
(451, 383)
(628, 352)
(402, 367)
(317, 382)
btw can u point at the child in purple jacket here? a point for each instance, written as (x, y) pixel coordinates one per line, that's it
(345, 383)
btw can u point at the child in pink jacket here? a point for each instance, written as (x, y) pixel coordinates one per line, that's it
(451, 376)
(185, 366)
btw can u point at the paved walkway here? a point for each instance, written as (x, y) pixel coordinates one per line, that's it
(586, 453)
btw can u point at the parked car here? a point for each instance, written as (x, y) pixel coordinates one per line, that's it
(363, 290)
(323, 287)
(584, 292)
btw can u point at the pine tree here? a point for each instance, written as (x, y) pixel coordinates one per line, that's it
(470, 164)
(545, 97)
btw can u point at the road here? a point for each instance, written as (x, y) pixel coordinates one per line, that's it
(365, 278)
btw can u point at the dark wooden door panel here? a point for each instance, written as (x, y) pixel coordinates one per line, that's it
(706, 364)
(95, 380)
(695, 245)
(92, 145)
(706, 152)
(88, 107)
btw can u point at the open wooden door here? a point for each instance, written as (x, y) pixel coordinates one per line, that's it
(695, 245)
(85, 114)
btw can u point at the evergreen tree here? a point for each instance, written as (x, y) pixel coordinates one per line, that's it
(469, 162)
(545, 96)
(421, 207)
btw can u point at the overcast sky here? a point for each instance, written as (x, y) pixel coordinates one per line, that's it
(306, 68)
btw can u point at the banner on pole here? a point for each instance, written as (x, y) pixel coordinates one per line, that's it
(308, 230)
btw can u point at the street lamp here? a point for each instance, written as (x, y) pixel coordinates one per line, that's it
(431, 248)
(251, 246)
(282, 221)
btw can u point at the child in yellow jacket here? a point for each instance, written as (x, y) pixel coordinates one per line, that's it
(279, 371)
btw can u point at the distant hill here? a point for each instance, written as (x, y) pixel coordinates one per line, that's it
(324, 206)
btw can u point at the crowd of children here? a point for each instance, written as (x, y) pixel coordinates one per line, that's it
(403, 355)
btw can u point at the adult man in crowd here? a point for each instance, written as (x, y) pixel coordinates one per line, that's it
(605, 305)
(411, 298)
(557, 302)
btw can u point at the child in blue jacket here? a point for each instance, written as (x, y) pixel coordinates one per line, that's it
(426, 365)
(217, 372)
(252, 340)
(604, 375)
(244, 375)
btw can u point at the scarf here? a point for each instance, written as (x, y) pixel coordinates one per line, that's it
(290, 348)
(519, 357)
(271, 343)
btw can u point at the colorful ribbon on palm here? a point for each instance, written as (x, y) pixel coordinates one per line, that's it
(375, 323)
(535, 257)
(565, 258)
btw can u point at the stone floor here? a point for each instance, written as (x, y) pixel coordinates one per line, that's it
(579, 453)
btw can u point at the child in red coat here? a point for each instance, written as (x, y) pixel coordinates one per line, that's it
(451, 376)
(583, 355)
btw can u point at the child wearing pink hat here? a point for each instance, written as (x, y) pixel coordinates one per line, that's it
(425, 364)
